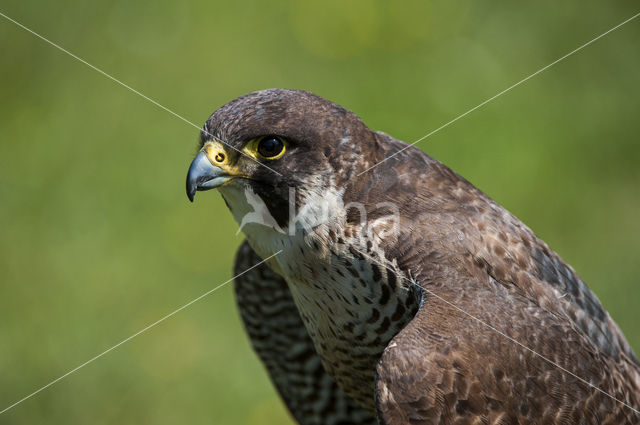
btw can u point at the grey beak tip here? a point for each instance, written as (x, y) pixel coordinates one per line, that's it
(203, 175)
(192, 187)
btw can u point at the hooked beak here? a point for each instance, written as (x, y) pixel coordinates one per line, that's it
(203, 175)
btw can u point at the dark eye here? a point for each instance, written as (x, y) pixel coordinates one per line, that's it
(270, 147)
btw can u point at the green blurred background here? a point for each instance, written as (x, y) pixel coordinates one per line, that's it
(98, 240)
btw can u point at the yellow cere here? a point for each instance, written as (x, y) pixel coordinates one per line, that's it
(219, 157)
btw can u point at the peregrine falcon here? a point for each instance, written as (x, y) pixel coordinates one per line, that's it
(400, 294)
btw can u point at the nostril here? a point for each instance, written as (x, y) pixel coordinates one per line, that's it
(219, 157)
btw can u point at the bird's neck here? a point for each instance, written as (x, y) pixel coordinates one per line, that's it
(351, 300)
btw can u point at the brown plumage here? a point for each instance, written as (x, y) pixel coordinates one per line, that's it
(420, 302)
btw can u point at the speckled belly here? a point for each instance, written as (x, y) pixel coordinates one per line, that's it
(351, 312)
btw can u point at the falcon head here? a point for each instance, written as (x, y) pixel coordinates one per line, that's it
(279, 144)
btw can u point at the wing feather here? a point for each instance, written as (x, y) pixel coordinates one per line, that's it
(449, 367)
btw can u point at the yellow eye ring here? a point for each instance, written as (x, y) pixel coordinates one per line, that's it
(270, 147)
